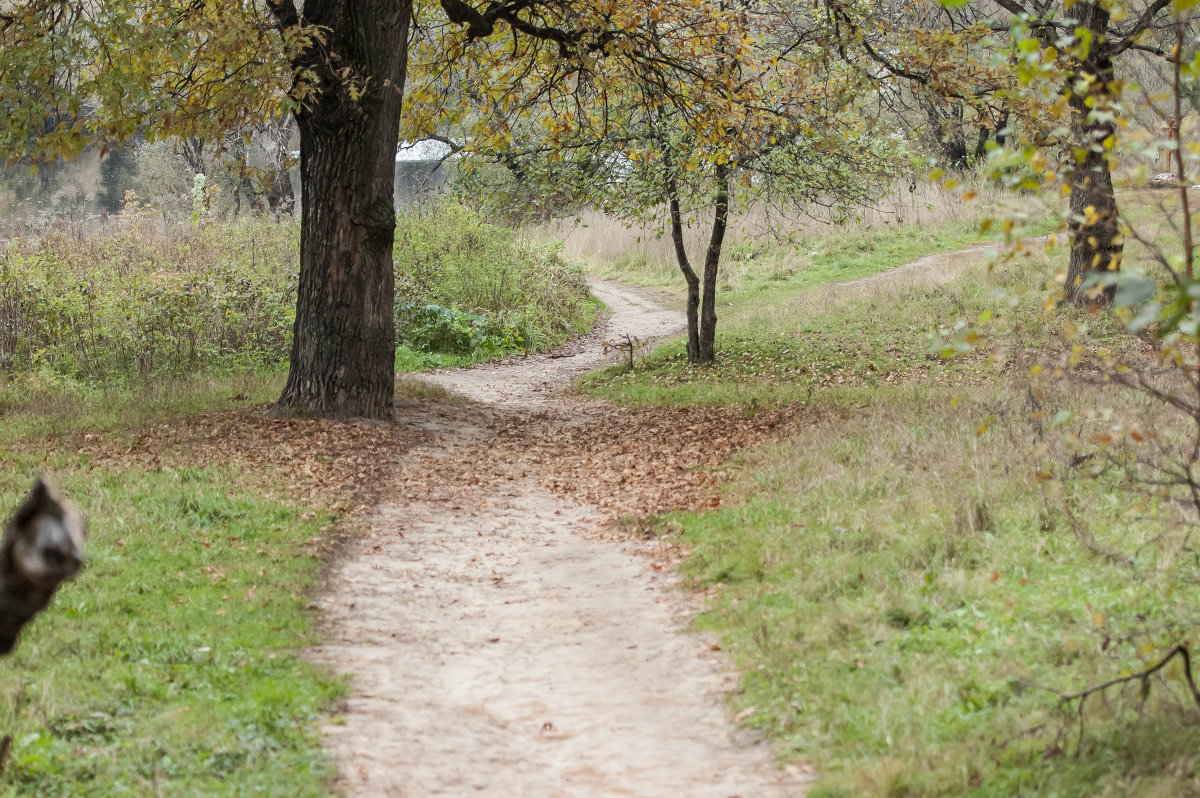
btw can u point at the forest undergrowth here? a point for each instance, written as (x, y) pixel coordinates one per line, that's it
(138, 300)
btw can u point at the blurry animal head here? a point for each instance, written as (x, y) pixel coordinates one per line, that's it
(45, 538)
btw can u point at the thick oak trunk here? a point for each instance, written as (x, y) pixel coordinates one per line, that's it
(1094, 227)
(343, 351)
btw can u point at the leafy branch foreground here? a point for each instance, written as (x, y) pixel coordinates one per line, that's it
(1142, 679)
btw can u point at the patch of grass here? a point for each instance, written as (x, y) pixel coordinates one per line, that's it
(898, 596)
(765, 253)
(476, 290)
(409, 359)
(44, 405)
(645, 254)
(170, 666)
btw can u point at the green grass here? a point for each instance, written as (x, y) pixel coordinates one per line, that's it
(171, 665)
(901, 592)
(44, 405)
(896, 592)
(763, 265)
(791, 344)
(579, 322)
(409, 360)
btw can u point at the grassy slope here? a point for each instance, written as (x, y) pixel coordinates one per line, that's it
(781, 334)
(170, 665)
(409, 359)
(892, 580)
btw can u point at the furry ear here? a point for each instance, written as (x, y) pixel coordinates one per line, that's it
(45, 538)
(41, 497)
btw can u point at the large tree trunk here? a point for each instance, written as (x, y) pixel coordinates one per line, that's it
(343, 352)
(1094, 230)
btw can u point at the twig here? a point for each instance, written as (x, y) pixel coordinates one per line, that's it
(1180, 651)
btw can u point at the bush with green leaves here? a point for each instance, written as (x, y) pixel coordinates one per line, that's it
(467, 287)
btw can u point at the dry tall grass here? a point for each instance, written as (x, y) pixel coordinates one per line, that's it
(603, 241)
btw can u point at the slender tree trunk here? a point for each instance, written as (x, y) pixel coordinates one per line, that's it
(281, 196)
(701, 294)
(343, 351)
(689, 275)
(1094, 230)
(981, 143)
(1002, 130)
(712, 260)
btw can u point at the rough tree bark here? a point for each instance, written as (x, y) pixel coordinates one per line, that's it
(343, 350)
(1094, 233)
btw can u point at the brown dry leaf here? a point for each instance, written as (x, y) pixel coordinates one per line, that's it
(326, 463)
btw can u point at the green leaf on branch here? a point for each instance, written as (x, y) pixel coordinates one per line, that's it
(1134, 290)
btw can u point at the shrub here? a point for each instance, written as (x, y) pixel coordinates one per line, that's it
(464, 286)
(147, 301)
(141, 300)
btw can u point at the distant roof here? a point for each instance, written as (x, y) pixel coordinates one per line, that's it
(422, 151)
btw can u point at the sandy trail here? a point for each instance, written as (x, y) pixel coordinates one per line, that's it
(498, 644)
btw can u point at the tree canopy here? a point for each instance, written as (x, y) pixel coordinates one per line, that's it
(702, 107)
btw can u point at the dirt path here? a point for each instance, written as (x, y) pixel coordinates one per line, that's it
(923, 264)
(499, 644)
(941, 264)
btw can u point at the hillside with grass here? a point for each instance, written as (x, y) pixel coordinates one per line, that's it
(910, 586)
(580, 398)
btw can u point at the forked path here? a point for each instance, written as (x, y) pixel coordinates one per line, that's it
(498, 644)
